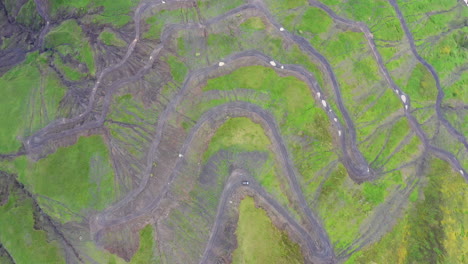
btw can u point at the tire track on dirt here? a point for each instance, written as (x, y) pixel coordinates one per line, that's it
(322, 245)
(440, 92)
(171, 108)
(231, 187)
(357, 166)
(63, 124)
(416, 127)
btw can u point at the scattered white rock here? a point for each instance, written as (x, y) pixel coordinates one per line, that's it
(397, 92)
(163, 2)
(318, 95)
(324, 103)
(406, 107)
(151, 57)
(336, 119)
(403, 98)
(281, 28)
(180, 155)
(282, 67)
(368, 169)
(230, 202)
(339, 133)
(273, 63)
(221, 64)
(461, 172)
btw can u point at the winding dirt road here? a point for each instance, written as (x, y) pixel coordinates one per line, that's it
(440, 92)
(232, 185)
(416, 127)
(323, 248)
(358, 168)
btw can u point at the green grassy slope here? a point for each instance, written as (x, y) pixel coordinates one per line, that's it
(19, 236)
(80, 176)
(31, 95)
(259, 241)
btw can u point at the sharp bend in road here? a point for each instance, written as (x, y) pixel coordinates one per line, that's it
(357, 166)
(177, 99)
(440, 95)
(360, 173)
(353, 167)
(416, 127)
(49, 132)
(231, 186)
(218, 114)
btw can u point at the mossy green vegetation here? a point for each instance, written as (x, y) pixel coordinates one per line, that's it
(288, 91)
(145, 253)
(129, 122)
(259, 241)
(340, 46)
(438, 31)
(157, 21)
(111, 39)
(68, 71)
(282, 5)
(31, 95)
(291, 103)
(421, 86)
(456, 91)
(128, 109)
(386, 141)
(79, 176)
(225, 44)
(432, 17)
(114, 12)
(28, 16)
(239, 133)
(252, 24)
(21, 238)
(448, 53)
(314, 21)
(212, 8)
(68, 39)
(178, 68)
(377, 14)
(56, 5)
(221, 45)
(342, 201)
(432, 230)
